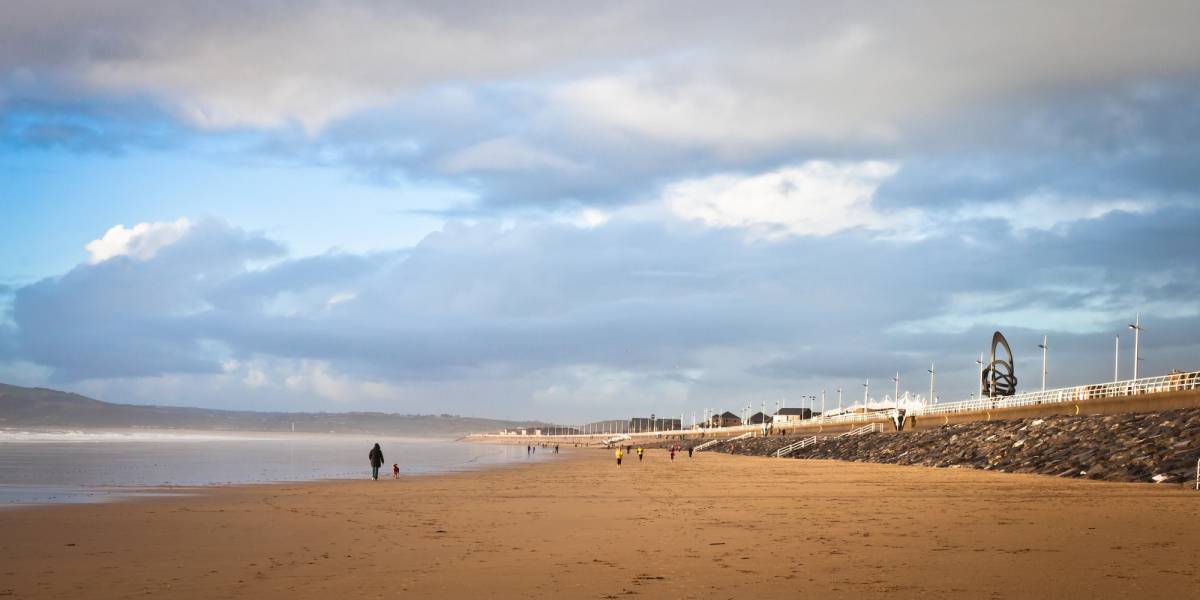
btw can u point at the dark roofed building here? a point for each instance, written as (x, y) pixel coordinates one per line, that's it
(793, 414)
(759, 418)
(725, 419)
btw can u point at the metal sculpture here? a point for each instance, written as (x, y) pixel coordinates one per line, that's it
(999, 377)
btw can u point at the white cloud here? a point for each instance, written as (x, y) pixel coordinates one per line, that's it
(142, 241)
(815, 198)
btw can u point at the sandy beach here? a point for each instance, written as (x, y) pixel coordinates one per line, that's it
(715, 526)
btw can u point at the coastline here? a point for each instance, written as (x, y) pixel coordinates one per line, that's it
(712, 526)
(74, 466)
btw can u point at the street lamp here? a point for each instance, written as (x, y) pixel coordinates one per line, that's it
(839, 399)
(866, 394)
(1136, 326)
(980, 378)
(896, 398)
(932, 379)
(1044, 348)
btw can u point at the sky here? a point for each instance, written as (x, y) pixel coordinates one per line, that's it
(572, 211)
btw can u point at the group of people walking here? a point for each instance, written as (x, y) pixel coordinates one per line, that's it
(623, 450)
(532, 448)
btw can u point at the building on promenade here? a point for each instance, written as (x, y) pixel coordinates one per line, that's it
(725, 419)
(759, 418)
(785, 415)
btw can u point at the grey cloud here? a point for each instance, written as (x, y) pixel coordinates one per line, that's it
(124, 317)
(752, 88)
(524, 307)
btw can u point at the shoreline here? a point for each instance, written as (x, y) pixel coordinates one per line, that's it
(72, 472)
(579, 527)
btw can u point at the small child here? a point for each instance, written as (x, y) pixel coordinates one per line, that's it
(395, 471)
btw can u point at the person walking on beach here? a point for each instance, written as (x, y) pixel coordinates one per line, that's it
(690, 451)
(672, 453)
(619, 455)
(639, 454)
(376, 456)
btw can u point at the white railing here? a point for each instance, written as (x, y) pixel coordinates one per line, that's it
(712, 443)
(872, 428)
(1133, 387)
(1072, 395)
(800, 445)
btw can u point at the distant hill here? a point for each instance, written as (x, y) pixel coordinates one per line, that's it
(40, 407)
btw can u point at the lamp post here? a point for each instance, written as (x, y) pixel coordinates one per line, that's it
(839, 399)
(1044, 348)
(822, 403)
(896, 398)
(1136, 326)
(866, 394)
(980, 378)
(932, 379)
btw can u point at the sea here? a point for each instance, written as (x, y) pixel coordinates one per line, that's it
(73, 466)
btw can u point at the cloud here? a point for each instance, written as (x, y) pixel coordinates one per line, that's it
(141, 242)
(531, 318)
(921, 181)
(504, 154)
(135, 315)
(539, 107)
(815, 198)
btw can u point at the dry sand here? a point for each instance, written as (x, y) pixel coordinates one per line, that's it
(715, 526)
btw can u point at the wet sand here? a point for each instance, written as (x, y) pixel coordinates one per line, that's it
(716, 526)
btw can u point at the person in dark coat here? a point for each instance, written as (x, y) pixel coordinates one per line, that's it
(376, 457)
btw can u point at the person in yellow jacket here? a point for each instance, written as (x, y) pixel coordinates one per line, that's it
(640, 450)
(620, 454)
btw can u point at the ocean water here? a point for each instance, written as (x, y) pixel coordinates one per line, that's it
(39, 467)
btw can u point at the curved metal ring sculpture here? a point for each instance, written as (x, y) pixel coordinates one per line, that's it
(999, 377)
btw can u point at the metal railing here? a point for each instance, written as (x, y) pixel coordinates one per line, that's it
(712, 443)
(857, 431)
(1072, 395)
(800, 445)
(1083, 393)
